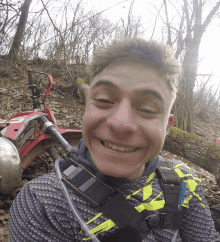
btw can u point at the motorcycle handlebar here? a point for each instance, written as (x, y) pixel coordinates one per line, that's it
(35, 89)
(49, 128)
(30, 79)
(53, 153)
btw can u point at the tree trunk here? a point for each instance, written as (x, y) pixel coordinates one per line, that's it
(13, 53)
(183, 107)
(195, 150)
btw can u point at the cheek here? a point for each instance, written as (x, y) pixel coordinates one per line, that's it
(92, 114)
(92, 117)
(156, 130)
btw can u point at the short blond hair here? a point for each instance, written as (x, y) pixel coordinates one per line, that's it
(153, 54)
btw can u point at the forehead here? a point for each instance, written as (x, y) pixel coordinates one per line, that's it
(133, 79)
(129, 72)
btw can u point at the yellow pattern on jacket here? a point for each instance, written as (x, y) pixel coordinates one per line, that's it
(156, 202)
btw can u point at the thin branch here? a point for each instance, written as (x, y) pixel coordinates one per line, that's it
(55, 27)
(171, 2)
(210, 16)
(158, 13)
(56, 35)
(168, 24)
(155, 22)
(187, 15)
(129, 16)
(180, 42)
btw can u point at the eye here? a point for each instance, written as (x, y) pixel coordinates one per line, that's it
(150, 111)
(103, 101)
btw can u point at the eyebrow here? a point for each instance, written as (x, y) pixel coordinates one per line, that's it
(148, 92)
(141, 92)
(105, 83)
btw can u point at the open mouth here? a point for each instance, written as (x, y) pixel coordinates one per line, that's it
(118, 148)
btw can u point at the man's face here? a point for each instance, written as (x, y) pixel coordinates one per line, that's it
(126, 118)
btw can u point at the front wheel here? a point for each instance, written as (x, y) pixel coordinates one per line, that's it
(38, 162)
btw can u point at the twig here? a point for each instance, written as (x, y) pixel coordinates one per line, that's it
(58, 91)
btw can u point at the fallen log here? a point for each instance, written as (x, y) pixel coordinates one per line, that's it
(194, 149)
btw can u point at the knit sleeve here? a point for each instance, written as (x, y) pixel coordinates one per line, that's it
(35, 214)
(197, 222)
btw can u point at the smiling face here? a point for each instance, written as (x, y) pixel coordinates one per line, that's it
(127, 116)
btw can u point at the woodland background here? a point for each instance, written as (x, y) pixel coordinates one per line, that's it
(62, 44)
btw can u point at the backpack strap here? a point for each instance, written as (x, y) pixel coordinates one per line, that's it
(112, 204)
(172, 187)
(102, 197)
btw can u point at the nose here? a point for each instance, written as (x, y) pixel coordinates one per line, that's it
(122, 120)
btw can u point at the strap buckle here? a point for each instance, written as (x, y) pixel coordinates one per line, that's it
(153, 221)
(158, 220)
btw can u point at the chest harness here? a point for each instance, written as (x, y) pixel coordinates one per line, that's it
(134, 225)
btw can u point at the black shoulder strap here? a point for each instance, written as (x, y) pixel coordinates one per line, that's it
(110, 202)
(167, 173)
(102, 197)
(171, 185)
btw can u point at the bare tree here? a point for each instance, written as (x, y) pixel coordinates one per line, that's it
(5, 16)
(9, 13)
(184, 35)
(206, 96)
(132, 25)
(13, 53)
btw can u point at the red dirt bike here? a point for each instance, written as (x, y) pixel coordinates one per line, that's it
(23, 137)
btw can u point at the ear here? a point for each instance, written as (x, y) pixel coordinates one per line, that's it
(170, 122)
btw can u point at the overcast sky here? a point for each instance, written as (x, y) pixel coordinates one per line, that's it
(210, 46)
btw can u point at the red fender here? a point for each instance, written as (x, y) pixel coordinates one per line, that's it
(29, 151)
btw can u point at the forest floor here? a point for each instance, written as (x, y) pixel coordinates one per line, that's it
(15, 98)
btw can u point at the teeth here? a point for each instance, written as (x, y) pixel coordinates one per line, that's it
(114, 147)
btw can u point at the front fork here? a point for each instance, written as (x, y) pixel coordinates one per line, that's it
(48, 127)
